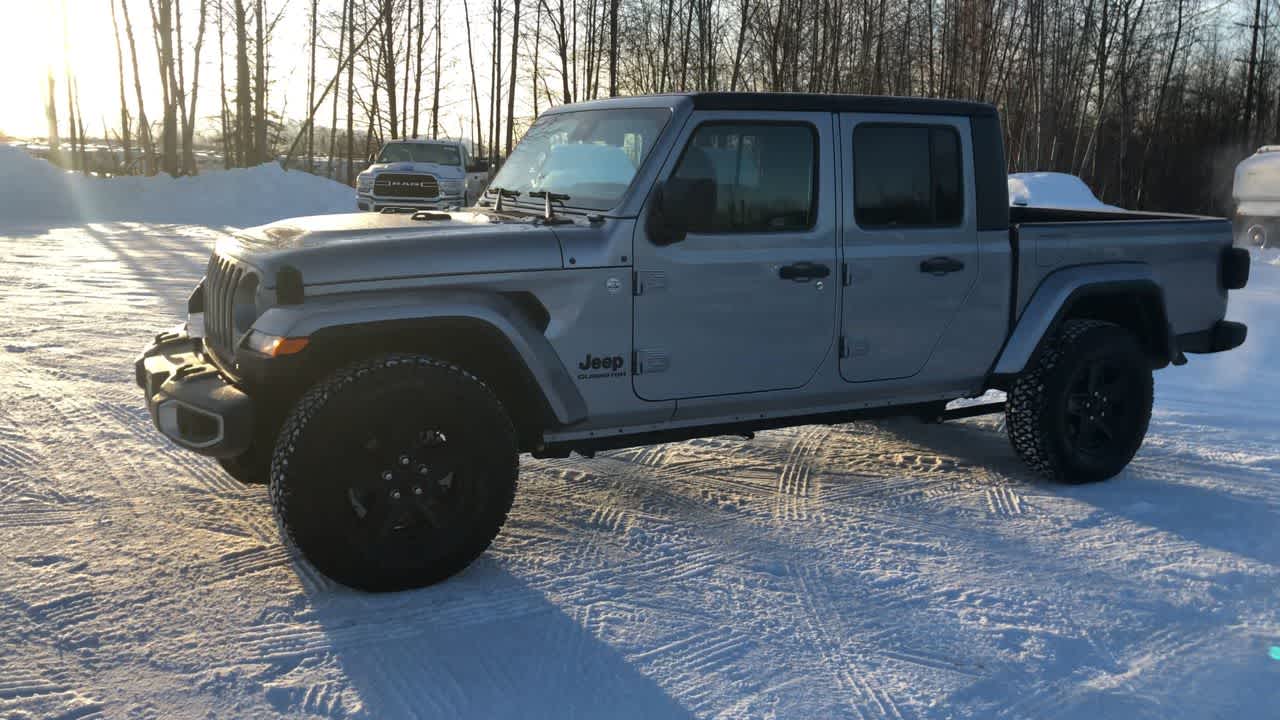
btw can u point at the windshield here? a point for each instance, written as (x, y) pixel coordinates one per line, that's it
(420, 152)
(589, 155)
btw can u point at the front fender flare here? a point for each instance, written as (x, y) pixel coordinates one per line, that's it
(1052, 301)
(498, 312)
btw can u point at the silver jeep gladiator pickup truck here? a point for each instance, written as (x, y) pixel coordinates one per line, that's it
(652, 269)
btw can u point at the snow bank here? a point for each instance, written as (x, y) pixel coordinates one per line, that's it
(1051, 189)
(35, 191)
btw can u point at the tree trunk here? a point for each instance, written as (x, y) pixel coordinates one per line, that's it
(224, 114)
(349, 10)
(389, 64)
(262, 152)
(124, 105)
(169, 136)
(311, 92)
(74, 157)
(51, 115)
(330, 167)
(475, 87)
(189, 127)
(417, 74)
(144, 128)
(613, 48)
(245, 152)
(511, 88)
(435, 91)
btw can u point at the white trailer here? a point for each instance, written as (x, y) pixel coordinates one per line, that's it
(1256, 194)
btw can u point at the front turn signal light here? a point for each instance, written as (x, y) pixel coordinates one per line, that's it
(273, 345)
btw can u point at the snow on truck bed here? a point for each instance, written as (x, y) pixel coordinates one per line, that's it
(872, 570)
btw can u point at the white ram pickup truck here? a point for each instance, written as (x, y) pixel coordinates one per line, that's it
(417, 174)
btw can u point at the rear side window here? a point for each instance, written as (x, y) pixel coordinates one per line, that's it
(907, 176)
(764, 176)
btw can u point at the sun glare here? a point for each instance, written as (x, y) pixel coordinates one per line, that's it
(31, 44)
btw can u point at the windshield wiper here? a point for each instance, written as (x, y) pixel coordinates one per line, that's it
(502, 193)
(549, 197)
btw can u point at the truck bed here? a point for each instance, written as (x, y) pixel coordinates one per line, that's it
(1182, 252)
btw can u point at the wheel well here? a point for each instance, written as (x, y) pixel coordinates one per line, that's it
(473, 345)
(1141, 313)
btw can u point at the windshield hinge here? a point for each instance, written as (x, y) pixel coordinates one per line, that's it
(548, 197)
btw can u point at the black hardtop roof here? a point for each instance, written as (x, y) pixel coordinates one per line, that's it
(814, 102)
(795, 102)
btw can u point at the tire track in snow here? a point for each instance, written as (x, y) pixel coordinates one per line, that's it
(820, 615)
(1003, 501)
(44, 694)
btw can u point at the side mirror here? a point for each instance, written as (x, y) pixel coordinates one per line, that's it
(680, 206)
(477, 167)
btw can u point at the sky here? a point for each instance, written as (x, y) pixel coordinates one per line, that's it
(31, 43)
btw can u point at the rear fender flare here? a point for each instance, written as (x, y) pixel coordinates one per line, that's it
(1065, 289)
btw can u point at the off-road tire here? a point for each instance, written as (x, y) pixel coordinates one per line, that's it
(357, 429)
(1045, 417)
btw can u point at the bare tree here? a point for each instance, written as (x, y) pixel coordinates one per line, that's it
(124, 105)
(417, 74)
(475, 87)
(511, 89)
(144, 127)
(189, 122)
(311, 90)
(435, 91)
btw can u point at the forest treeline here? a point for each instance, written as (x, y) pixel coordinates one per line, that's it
(1152, 102)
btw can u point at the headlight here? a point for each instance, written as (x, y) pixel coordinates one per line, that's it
(273, 345)
(364, 182)
(451, 187)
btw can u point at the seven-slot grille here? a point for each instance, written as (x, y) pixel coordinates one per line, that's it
(402, 185)
(220, 283)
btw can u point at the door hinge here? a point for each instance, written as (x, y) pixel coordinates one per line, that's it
(843, 348)
(846, 278)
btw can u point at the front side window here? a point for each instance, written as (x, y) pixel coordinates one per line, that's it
(420, 152)
(763, 174)
(589, 155)
(907, 176)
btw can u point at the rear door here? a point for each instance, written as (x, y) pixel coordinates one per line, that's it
(909, 239)
(747, 301)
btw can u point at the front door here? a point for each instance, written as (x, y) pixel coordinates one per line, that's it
(909, 238)
(747, 301)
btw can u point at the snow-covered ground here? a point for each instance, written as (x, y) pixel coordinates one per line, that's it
(35, 193)
(888, 570)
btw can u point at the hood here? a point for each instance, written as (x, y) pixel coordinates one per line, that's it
(330, 249)
(444, 171)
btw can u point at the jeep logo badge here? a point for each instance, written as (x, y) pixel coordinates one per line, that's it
(607, 366)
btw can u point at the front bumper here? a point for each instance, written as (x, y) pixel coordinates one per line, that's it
(189, 399)
(365, 201)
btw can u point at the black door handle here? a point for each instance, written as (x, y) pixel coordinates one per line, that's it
(941, 266)
(803, 271)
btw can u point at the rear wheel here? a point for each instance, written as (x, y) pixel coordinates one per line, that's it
(394, 473)
(1081, 412)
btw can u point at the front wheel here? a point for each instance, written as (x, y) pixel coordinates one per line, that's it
(1080, 412)
(394, 473)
